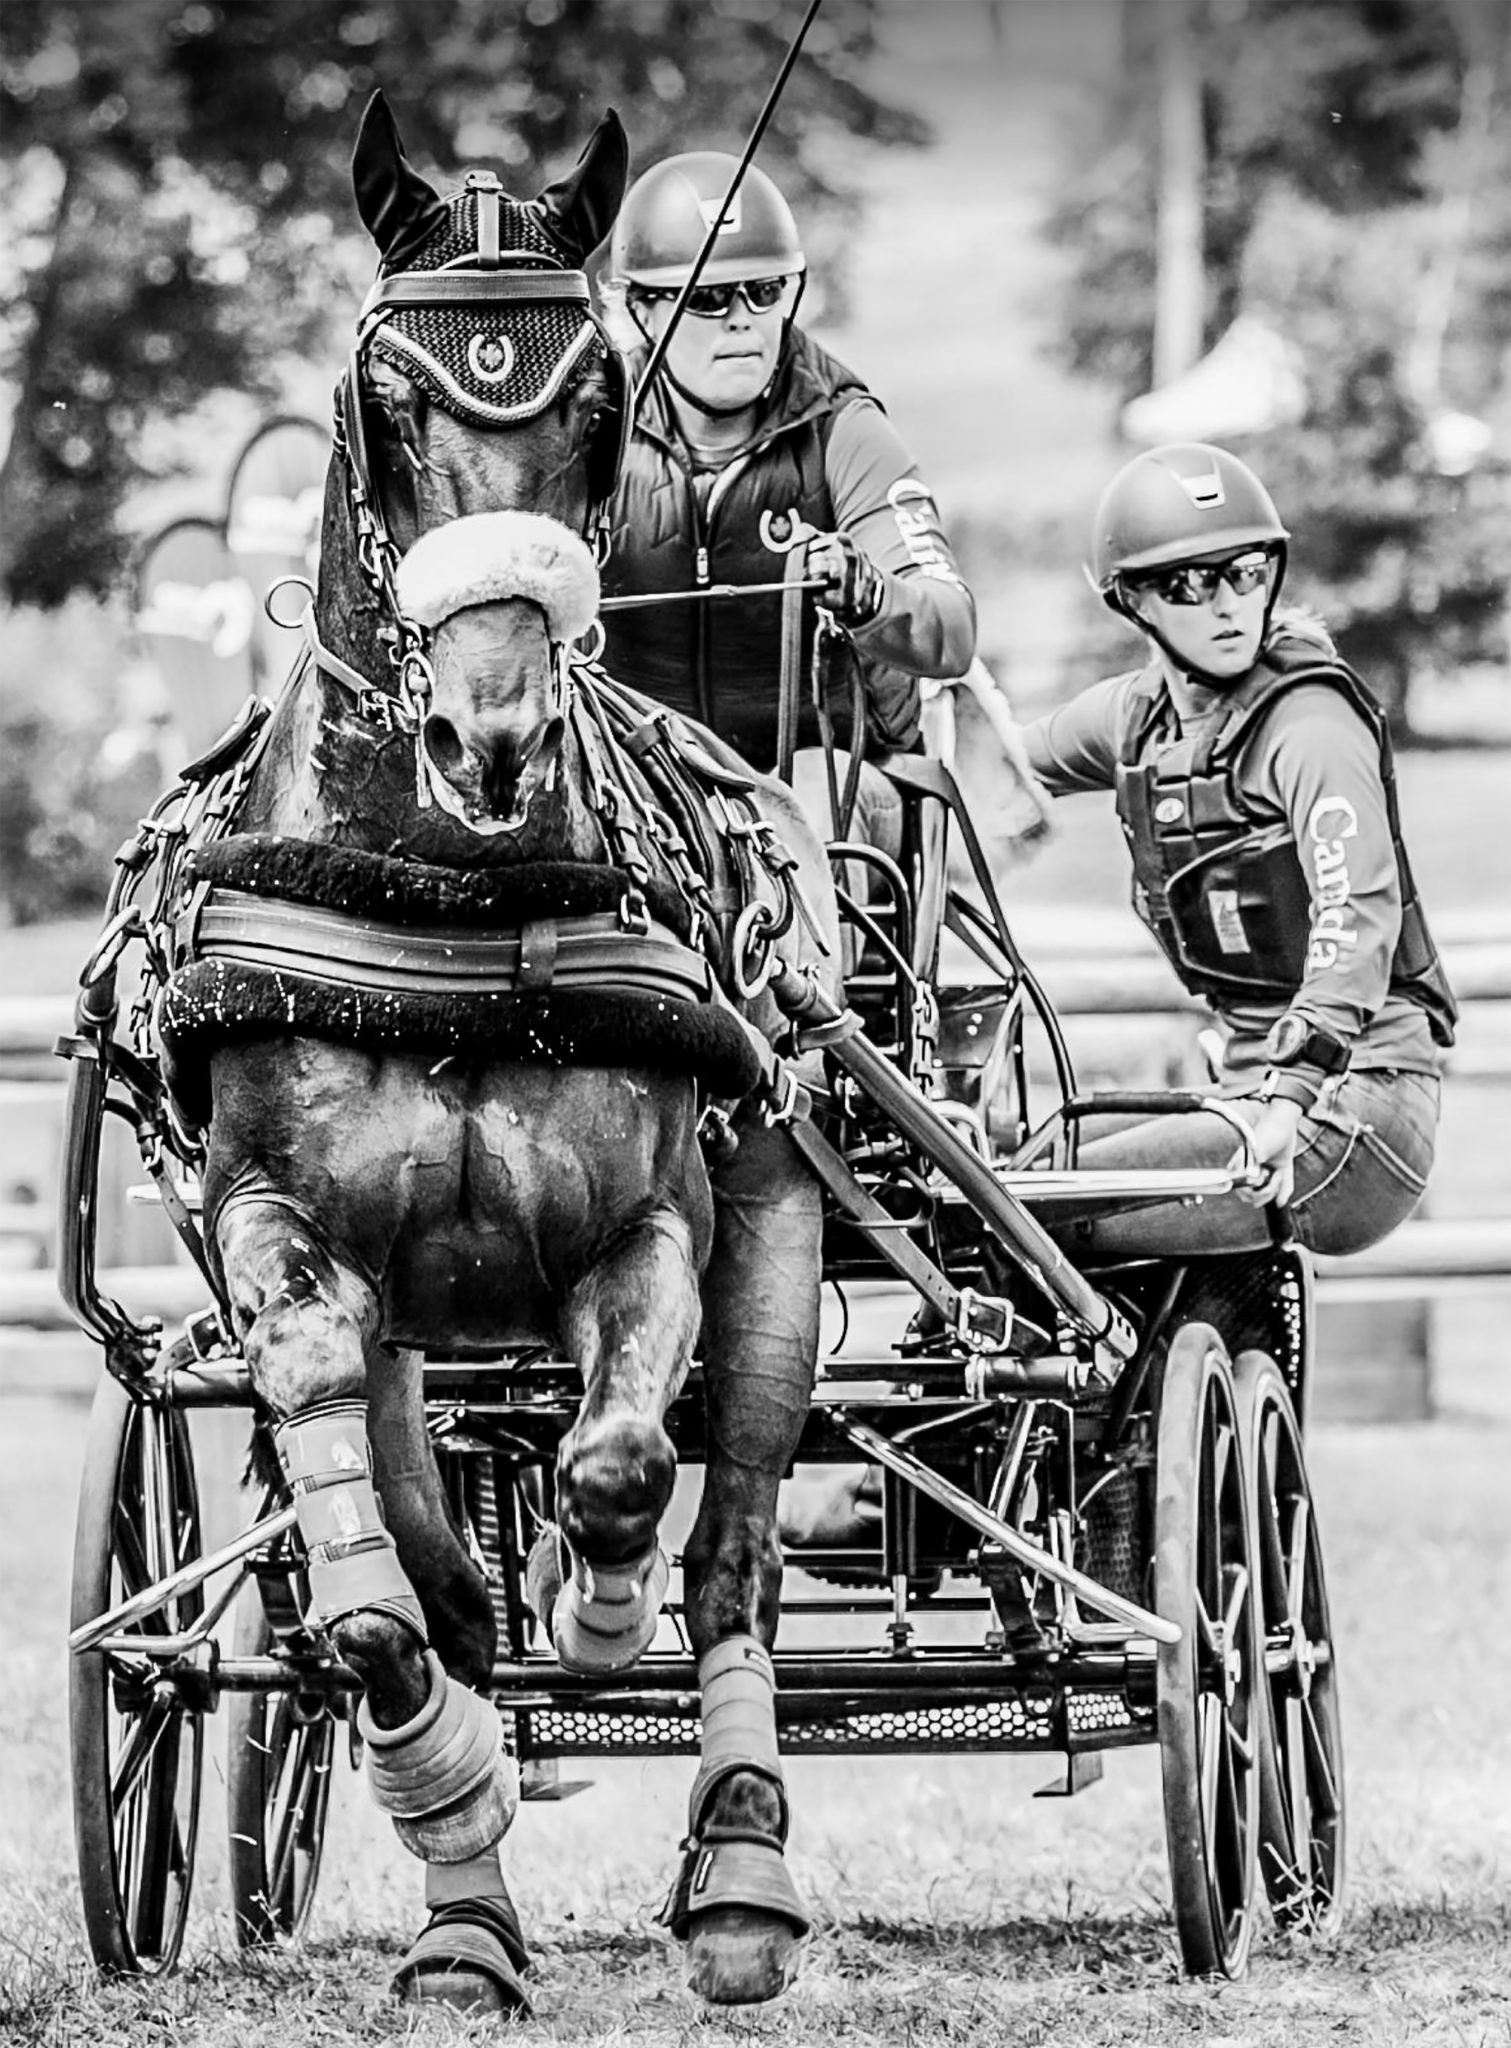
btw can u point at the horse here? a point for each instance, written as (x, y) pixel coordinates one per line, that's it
(470, 996)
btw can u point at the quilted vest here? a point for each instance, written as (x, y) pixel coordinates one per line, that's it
(720, 661)
(1223, 889)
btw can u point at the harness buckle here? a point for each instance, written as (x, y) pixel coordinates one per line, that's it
(379, 708)
(416, 683)
(982, 1322)
(787, 1100)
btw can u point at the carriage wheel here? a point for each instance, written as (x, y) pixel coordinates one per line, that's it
(1301, 1828)
(137, 1746)
(1209, 1712)
(280, 1750)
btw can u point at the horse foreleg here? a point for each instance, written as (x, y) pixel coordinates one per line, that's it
(452, 1587)
(307, 1324)
(630, 1324)
(735, 1903)
(470, 1953)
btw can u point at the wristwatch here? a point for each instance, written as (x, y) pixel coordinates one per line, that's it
(1295, 1041)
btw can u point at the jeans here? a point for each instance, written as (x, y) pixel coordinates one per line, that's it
(1363, 1155)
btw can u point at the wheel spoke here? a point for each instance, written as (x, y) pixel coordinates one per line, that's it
(292, 1795)
(1298, 1551)
(1273, 1563)
(1320, 1775)
(1232, 1805)
(160, 1852)
(141, 1745)
(1207, 1634)
(1222, 1453)
(129, 1554)
(1209, 1737)
(1298, 1793)
(1238, 1594)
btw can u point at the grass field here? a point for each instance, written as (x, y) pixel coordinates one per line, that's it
(951, 1906)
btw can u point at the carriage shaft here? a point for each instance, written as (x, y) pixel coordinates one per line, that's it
(158, 1595)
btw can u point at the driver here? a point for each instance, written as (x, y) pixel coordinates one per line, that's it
(1255, 788)
(749, 416)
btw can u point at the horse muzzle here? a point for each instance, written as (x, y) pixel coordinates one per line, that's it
(488, 781)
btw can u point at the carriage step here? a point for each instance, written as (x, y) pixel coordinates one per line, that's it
(540, 1778)
(1083, 1768)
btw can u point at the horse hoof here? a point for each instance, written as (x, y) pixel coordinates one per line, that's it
(736, 1956)
(464, 1991)
(469, 1958)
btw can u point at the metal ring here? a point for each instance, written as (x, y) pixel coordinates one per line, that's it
(588, 647)
(751, 932)
(280, 583)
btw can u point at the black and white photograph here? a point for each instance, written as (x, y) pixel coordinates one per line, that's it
(755, 1049)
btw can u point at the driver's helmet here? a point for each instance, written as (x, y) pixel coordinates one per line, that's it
(667, 213)
(1184, 502)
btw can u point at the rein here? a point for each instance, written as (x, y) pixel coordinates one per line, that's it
(663, 808)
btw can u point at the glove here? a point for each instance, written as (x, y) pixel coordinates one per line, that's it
(854, 588)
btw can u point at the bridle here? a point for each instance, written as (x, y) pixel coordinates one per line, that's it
(491, 277)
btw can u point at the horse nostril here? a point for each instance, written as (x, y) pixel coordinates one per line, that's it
(443, 743)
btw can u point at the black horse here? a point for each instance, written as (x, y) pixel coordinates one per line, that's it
(451, 1010)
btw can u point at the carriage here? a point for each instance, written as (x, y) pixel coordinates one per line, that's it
(1096, 1528)
(1093, 1470)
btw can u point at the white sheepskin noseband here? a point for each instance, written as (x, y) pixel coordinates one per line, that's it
(491, 555)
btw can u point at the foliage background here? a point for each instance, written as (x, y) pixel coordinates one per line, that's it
(177, 237)
(1358, 199)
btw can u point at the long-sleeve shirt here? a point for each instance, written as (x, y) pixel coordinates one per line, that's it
(927, 622)
(1310, 763)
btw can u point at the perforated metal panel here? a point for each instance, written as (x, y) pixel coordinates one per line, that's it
(1258, 1300)
(1094, 1713)
(1117, 1536)
(1010, 1722)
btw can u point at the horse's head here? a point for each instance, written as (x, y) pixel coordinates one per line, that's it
(483, 416)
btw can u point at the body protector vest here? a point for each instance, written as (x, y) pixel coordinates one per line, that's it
(720, 660)
(1223, 889)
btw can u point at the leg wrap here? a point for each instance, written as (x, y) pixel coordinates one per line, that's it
(738, 1688)
(443, 1777)
(353, 1564)
(599, 1618)
(735, 1866)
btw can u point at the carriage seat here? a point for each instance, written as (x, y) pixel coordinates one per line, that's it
(1099, 1230)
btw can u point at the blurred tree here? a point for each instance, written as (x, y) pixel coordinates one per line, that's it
(179, 204)
(1358, 198)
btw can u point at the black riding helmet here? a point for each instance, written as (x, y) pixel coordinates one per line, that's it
(1184, 502)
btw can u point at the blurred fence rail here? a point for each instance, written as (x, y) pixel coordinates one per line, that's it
(1375, 1320)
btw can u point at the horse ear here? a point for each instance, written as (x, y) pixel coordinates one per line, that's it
(398, 207)
(578, 210)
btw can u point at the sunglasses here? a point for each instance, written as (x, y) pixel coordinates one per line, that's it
(713, 301)
(1196, 582)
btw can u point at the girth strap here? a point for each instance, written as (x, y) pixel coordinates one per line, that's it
(592, 950)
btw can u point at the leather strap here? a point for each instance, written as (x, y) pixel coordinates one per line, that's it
(590, 951)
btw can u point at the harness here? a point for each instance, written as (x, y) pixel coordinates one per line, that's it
(1222, 887)
(565, 963)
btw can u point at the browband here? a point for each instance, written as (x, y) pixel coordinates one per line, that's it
(469, 287)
